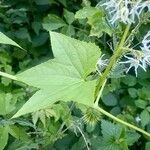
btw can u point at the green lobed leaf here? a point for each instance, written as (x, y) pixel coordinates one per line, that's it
(63, 78)
(6, 40)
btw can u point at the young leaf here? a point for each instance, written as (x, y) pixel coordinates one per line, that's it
(6, 40)
(63, 78)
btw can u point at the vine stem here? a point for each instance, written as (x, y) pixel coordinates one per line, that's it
(121, 121)
(102, 81)
(100, 93)
(113, 60)
(8, 75)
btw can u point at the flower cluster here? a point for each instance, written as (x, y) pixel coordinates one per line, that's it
(135, 58)
(140, 58)
(125, 11)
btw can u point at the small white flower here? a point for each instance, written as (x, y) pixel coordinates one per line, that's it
(146, 49)
(146, 42)
(125, 11)
(136, 10)
(101, 64)
(138, 119)
(134, 62)
(113, 8)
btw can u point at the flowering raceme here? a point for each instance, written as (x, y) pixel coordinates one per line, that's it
(125, 11)
(135, 58)
(128, 12)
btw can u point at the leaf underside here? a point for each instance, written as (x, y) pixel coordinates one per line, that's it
(64, 77)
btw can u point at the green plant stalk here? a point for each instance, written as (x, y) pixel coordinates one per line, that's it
(100, 93)
(8, 75)
(121, 121)
(102, 81)
(113, 60)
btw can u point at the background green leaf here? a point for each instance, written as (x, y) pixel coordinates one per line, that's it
(53, 22)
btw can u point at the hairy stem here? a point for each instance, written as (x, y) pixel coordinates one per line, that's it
(102, 81)
(8, 75)
(122, 122)
(113, 60)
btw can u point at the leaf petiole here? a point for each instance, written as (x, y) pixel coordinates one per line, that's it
(121, 121)
(8, 75)
(100, 93)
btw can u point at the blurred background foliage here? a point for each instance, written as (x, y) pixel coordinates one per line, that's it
(61, 127)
